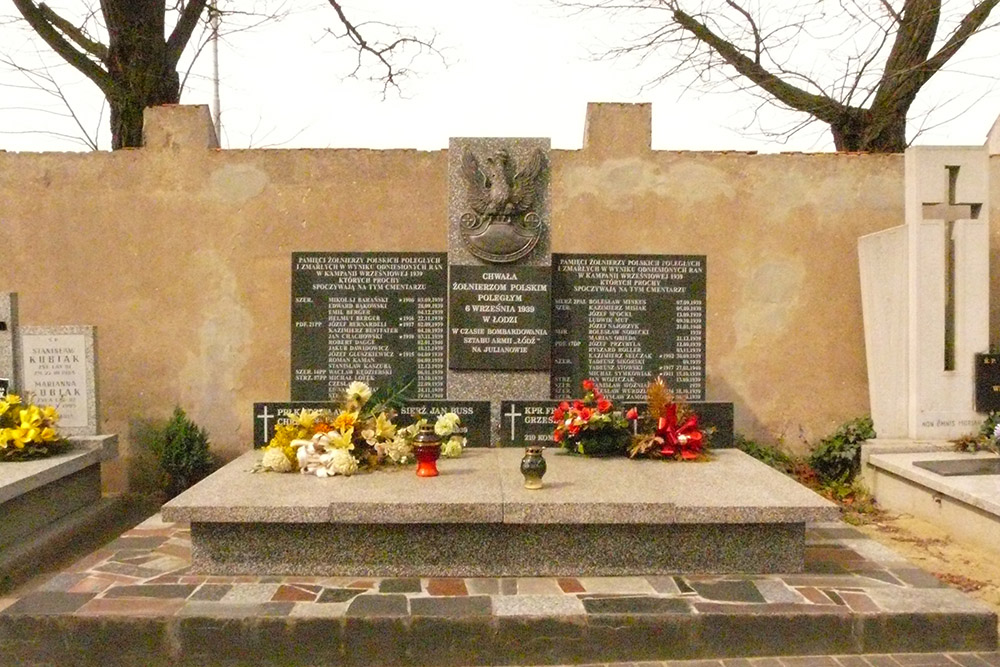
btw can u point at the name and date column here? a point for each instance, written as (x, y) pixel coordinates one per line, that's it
(623, 319)
(378, 318)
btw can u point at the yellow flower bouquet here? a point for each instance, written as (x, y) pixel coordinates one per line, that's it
(27, 431)
(359, 434)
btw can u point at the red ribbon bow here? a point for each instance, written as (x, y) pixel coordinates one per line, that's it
(684, 438)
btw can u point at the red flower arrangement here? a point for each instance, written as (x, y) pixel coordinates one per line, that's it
(677, 434)
(592, 426)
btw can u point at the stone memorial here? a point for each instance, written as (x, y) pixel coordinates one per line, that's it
(519, 339)
(499, 226)
(51, 501)
(925, 297)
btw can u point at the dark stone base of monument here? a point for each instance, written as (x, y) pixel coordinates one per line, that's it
(492, 550)
(593, 517)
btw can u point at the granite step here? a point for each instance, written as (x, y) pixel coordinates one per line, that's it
(136, 601)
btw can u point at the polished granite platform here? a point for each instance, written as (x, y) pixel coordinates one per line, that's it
(594, 517)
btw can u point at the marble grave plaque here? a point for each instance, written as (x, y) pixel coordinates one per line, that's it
(58, 369)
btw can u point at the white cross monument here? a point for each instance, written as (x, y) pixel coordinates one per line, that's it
(925, 296)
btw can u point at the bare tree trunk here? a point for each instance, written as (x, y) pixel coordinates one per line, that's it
(863, 130)
(139, 65)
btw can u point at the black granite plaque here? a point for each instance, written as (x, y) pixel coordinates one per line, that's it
(372, 317)
(528, 422)
(475, 416)
(987, 382)
(4, 386)
(499, 318)
(621, 320)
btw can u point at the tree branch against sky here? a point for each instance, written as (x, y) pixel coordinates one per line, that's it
(855, 65)
(132, 50)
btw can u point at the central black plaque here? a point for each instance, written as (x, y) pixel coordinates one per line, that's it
(499, 318)
(375, 317)
(623, 319)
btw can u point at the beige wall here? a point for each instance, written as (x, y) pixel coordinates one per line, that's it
(180, 254)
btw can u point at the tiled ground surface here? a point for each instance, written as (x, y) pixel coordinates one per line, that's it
(147, 572)
(855, 597)
(873, 660)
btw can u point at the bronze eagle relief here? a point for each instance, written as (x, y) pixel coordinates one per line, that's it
(503, 225)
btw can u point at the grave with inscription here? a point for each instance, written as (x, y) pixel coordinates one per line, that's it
(925, 296)
(500, 330)
(47, 503)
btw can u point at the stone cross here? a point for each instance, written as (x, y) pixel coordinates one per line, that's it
(925, 297)
(950, 213)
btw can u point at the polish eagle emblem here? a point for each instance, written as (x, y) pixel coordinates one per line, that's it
(503, 225)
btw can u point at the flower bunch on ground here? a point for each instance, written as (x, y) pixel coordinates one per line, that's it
(27, 431)
(361, 434)
(591, 425)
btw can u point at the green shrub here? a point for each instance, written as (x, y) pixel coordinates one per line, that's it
(772, 455)
(181, 448)
(837, 458)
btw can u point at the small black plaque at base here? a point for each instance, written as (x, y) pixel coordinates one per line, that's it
(475, 416)
(987, 382)
(959, 467)
(530, 422)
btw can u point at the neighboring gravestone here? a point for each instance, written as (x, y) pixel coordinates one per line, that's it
(8, 350)
(530, 422)
(623, 319)
(925, 297)
(58, 368)
(475, 417)
(988, 383)
(374, 317)
(499, 256)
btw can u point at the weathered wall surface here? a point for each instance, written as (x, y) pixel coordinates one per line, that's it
(180, 254)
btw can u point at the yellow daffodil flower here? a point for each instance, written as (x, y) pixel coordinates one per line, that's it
(342, 439)
(384, 428)
(305, 418)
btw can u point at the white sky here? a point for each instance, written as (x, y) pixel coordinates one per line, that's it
(517, 68)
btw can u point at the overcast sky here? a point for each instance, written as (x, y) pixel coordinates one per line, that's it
(516, 68)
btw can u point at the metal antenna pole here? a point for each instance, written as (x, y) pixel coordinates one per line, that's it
(216, 104)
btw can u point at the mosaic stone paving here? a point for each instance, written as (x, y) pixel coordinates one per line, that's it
(138, 601)
(147, 571)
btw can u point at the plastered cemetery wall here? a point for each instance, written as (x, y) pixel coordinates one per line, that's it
(179, 253)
